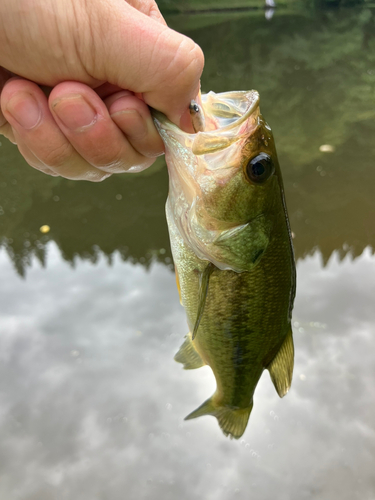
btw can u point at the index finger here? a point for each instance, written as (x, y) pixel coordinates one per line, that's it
(155, 61)
(148, 7)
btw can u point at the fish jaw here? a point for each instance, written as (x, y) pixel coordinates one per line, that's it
(230, 118)
(201, 164)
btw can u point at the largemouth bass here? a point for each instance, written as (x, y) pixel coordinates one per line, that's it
(232, 251)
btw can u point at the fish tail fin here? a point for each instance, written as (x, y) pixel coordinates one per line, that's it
(281, 367)
(232, 421)
(188, 356)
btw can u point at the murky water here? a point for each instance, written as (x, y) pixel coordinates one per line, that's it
(91, 401)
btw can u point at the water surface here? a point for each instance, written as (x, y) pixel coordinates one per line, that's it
(91, 401)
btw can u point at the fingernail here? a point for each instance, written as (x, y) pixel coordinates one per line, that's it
(118, 95)
(25, 110)
(138, 126)
(74, 112)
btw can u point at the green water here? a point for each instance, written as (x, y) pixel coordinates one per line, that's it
(315, 72)
(91, 401)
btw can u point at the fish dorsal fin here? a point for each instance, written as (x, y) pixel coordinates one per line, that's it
(188, 356)
(232, 421)
(203, 289)
(281, 367)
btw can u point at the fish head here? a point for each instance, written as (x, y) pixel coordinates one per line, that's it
(224, 181)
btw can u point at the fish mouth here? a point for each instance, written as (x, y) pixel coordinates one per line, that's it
(224, 112)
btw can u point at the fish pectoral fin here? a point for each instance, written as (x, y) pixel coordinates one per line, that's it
(188, 356)
(232, 421)
(281, 367)
(203, 289)
(243, 246)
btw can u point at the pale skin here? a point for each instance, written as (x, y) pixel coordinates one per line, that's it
(77, 77)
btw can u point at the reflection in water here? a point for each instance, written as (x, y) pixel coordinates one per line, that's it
(316, 75)
(233, 254)
(92, 404)
(268, 14)
(125, 214)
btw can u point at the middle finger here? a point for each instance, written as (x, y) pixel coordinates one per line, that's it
(85, 121)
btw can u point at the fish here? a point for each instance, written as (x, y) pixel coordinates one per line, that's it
(232, 250)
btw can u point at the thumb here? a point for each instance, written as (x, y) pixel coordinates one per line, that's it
(138, 53)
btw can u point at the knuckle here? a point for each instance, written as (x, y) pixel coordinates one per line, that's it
(115, 158)
(109, 160)
(152, 147)
(188, 62)
(154, 12)
(114, 167)
(129, 164)
(57, 156)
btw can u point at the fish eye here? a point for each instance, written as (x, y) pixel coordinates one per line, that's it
(260, 168)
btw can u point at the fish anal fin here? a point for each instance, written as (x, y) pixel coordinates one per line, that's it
(188, 356)
(281, 367)
(232, 421)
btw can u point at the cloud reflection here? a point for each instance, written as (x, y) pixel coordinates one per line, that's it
(92, 403)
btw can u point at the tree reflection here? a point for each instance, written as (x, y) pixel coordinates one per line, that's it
(125, 214)
(315, 71)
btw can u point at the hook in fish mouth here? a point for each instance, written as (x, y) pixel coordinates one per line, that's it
(194, 107)
(197, 117)
(227, 109)
(222, 120)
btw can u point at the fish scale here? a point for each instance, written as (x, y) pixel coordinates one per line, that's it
(237, 304)
(233, 254)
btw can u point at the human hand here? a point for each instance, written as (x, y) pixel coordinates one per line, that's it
(88, 127)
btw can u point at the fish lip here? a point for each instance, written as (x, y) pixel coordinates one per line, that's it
(168, 125)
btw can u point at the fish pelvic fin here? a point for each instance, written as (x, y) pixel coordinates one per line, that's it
(188, 356)
(232, 421)
(203, 289)
(281, 367)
